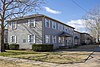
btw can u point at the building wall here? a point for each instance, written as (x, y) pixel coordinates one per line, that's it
(76, 40)
(23, 30)
(56, 32)
(86, 38)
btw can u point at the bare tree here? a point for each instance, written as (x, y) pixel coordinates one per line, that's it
(93, 22)
(13, 9)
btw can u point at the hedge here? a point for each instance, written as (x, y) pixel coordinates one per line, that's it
(14, 46)
(42, 47)
(6, 46)
(83, 44)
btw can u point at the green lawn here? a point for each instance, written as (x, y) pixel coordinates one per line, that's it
(54, 57)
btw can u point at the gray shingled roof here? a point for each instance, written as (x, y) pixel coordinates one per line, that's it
(37, 15)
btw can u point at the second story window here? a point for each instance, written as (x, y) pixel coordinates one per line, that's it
(31, 22)
(13, 25)
(60, 27)
(31, 38)
(53, 25)
(47, 23)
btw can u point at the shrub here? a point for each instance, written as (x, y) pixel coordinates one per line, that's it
(42, 47)
(14, 46)
(83, 44)
(6, 46)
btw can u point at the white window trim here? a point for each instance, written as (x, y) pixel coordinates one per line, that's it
(54, 24)
(48, 39)
(14, 27)
(29, 38)
(47, 21)
(30, 21)
(59, 39)
(53, 39)
(15, 39)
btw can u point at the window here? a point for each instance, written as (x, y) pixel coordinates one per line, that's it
(24, 40)
(31, 38)
(53, 39)
(31, 22)
(13, 39)
(59, 39)
(53, 25)
(13, 25)
(47, 38)
(66, 30)
(60, 27)
(47, 23)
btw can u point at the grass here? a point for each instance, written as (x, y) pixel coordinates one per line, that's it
(6, 63)
(54, 57)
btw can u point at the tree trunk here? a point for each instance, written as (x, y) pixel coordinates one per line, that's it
(2, 36)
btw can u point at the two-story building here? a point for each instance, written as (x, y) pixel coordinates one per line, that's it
(39, 29)
(86, 38)
(77, 38)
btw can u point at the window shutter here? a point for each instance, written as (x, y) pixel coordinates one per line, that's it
(34, 22)
(34, 38)
(29, 22)
(15, 39)
(11, 25)
(28, 38)
(10, 38)
(15, 25)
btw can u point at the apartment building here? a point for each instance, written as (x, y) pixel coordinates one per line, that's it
(86, 38)
(39, 29)
(77, 38)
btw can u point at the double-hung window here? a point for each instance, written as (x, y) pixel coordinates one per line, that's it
(60, 26)
(13, 39)
(31, 38)
(31, 22)
(14, 25)
(54, 39)
(47, 38)
(59, 39)
(53, 25)
(47, 23)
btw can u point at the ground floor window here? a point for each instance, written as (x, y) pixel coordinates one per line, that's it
(54, 39)
(47, 38)
(59, 39)
(31, 38)
(13, 39)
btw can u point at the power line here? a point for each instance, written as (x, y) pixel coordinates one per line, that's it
(78, 5)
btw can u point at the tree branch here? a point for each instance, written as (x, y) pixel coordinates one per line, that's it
(13, 14)
(12, 8)
(7, 4)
